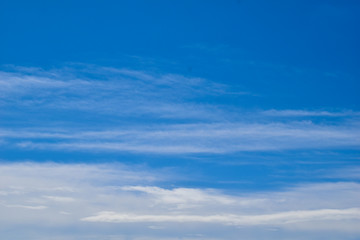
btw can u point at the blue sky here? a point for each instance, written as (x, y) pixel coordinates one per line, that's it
(179, 120)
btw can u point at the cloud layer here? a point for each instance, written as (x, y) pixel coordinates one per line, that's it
(115, 197)
(124, 110)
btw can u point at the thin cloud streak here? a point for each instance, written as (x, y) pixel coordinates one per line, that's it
(305, 113)
(26, 207)
(238, 220)
(192, 138)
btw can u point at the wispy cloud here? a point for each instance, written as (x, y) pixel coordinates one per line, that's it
(143, 112)
(59, 198)
(344, 173)
(109, 90)
(192, 138)
(240, 220)
(183, 197)
(102, 194)
(26, 207)
(307, 113)
(178, 110)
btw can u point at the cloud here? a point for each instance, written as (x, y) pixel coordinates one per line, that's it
(105, 90)
(106, 109)
(26, 207)
(219, 138)
(59, 198)
(240, 220)
(183, 197)
(89, 197)
(305, 113)
(180, 112)
(344, 173)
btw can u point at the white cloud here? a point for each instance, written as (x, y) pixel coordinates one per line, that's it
(192, 138)
(144, 96)
(26, 207)
(306, 113)
(59, 199)
(184, 197)
(275, 219)
(107, 90)
(83, 197)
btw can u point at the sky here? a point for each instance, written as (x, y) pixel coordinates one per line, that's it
(179, 120)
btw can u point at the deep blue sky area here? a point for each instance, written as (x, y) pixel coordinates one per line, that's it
(312, 34)
(293, 48)
(244, 114)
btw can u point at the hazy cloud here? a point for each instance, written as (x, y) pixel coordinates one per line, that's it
(192, 138)
(73, 195)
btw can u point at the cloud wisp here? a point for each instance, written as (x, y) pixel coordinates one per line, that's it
(274, 219)
(307, 113)
(191, 138)
(105, 90)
